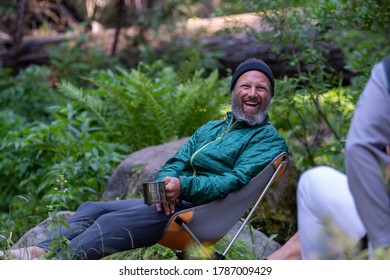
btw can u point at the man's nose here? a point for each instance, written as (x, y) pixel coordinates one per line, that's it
(252, 91)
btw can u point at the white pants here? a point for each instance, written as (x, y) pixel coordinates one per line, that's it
(328, 222)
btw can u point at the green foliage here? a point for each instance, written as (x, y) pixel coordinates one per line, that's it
(240, 250)
(313, 108)
(371, 15)
(34, 156)
(151, 104)
(42, 138)
(7, 6)
(185, 59)
(75, 59)
(57, 202)
(29, 94)
(315, 125)
(155, 252)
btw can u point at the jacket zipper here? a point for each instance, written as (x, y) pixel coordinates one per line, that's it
(204, 146)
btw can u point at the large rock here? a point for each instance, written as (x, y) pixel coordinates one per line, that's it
(139, 167)
(40, 232)
(257, 242)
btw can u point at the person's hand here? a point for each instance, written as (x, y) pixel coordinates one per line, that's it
(173, 190)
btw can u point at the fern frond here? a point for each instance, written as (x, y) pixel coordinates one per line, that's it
(88, 101)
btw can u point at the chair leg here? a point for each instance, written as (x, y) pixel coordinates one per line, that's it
(180, 255)
(210, 255)
(218, 256)
(182, 223)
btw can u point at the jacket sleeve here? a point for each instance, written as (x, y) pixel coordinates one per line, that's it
(366, 158)
(260, 152)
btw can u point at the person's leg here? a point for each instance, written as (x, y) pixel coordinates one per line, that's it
(328, 221)
(85, 216)
(136, 226)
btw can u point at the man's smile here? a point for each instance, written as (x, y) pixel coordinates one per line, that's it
(250, 105)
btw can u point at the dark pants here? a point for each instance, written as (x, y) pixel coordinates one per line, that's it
(98, 229)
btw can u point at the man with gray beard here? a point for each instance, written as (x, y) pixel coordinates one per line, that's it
(220, 157)
(251, 86)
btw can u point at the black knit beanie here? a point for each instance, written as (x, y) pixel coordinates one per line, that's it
(253, 64)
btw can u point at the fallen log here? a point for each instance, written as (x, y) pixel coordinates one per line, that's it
(32, 49)
(235, 47)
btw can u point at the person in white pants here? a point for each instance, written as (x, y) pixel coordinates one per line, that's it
(327, 230)
(335, 210)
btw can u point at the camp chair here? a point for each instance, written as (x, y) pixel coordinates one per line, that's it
(204, 225)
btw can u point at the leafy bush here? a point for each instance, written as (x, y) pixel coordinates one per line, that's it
(314, 107)
(43, 138)
(29, 93)
(149, 105)
(33, 157)
(73, 60)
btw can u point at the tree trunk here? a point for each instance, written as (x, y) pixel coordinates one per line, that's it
(119, 22)
(17, 38)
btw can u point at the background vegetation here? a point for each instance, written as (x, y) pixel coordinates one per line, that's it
(78, 116)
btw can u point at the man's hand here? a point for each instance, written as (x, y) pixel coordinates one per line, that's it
(173, 190)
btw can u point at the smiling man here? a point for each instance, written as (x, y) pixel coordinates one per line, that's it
(252, 88)
(220, 157)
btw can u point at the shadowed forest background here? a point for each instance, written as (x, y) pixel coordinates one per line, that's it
(85, 83)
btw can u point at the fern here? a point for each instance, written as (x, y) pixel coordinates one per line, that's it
(150, 105)
(89, 101)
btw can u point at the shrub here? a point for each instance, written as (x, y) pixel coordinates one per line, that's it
(149, 105)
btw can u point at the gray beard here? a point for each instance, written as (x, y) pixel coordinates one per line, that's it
(251, 119)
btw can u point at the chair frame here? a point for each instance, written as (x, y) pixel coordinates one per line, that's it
(185, 227)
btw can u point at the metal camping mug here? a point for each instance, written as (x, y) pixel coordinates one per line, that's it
(154, 192)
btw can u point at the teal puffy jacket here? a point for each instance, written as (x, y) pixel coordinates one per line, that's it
(221, 157)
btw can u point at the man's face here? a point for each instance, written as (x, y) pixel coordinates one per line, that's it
(251, 97)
